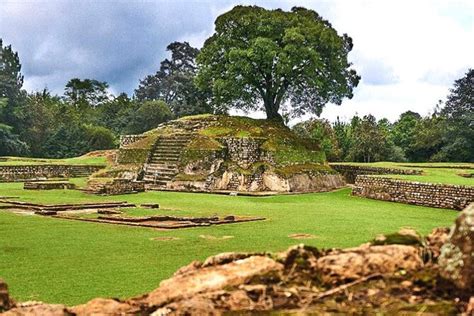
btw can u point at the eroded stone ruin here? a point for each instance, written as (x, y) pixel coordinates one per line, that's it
(222, 153)
(395, 274)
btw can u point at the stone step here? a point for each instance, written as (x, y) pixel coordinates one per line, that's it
(173, 141)
(169, 148)
(165, 150)
(159, 183)
(153, 178)
(167, 154)
(163, 160)
(159, 174)
(161, 168)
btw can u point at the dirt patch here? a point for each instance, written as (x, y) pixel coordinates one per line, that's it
(211, 237)
(165, 238)
(302, 236)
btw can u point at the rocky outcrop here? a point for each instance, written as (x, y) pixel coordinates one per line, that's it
(5, 302)
(457, 255)
(355, 263)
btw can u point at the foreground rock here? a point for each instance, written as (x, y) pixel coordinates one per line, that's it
(457, 255)
(5, 302)
(395, 274)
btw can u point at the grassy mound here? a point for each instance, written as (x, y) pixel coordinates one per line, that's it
(208, 131)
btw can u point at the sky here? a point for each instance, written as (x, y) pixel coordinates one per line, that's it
(408, 52)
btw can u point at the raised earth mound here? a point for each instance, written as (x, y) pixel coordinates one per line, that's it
(217, 152)
(397, 274)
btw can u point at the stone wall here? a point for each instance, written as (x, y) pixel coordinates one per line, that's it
(427, 194)
(350, 172)
(130, 139)
(244, 151)
(114, 187)
(49, 185)
(25, 172)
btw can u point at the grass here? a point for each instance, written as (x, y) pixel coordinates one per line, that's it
(83, 160)
(445, 172)
(62, 261)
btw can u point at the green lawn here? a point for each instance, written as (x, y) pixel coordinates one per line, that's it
(70, 262)
(83, 160)
(441, 172)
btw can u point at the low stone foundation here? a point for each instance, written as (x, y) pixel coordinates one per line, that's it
(350, 172)
(19, 173)
(49, 185)
(454, 197)
(114, 187)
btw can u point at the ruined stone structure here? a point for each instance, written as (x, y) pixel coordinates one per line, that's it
(114, 186)
(48, 185)
(26, 172)
(129, 139)
(221, 153)
(427, 194)
(350, 172)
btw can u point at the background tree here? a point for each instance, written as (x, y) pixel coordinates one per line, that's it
(259, 59)
(322, 133)
(404, 133)
(116, 112)
(87, 92)
(10, 143)
(11, 81)
(459, 121)
(428, 138)
(148, 116)
(343, 134)
(174, 84)
(37, 119)
(368, 140)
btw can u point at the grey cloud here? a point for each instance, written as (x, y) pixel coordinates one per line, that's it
(118, 42)
(376, 72)
(442, 77)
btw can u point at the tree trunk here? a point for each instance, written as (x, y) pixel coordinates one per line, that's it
(272, 112)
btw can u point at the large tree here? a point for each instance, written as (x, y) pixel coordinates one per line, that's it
(368, 139)
(259, 59)
(11, 81)
(174, 84)
(459, 116)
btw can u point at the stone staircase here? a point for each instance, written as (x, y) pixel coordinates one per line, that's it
(163, 162)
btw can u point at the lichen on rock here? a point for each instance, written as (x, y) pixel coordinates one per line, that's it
(457, 255)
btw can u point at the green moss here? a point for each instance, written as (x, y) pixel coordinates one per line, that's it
(287, 171)
(216, 131)
(204, 143)
(133, 155)
(398, 239)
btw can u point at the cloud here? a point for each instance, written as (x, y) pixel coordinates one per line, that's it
(118, 42)
(408, 52)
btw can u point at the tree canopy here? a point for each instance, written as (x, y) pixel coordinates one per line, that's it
(260, 59)
(86, 92)
(174, 84)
